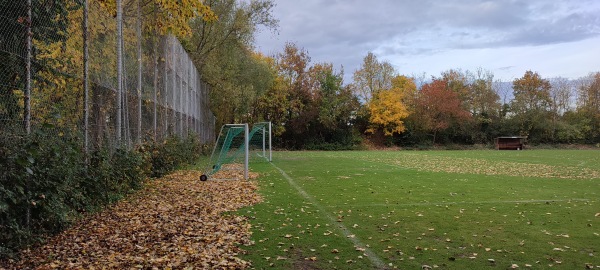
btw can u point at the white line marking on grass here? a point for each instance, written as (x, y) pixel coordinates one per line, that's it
(454, 203)
(375, 260)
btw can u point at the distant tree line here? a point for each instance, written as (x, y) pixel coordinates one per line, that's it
(312, 108)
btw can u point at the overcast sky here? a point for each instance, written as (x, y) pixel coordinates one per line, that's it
(553, 37)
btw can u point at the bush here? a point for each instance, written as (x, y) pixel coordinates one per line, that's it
(40, 186)
(163, 157)
(45, 183)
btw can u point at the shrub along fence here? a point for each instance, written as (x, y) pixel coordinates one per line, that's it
(83, 120)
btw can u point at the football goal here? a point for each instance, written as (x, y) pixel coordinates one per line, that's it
(238, 146)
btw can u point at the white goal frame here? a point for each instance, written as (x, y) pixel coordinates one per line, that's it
(263, 146)
(266, 131)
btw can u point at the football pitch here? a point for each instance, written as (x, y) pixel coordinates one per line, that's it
(427, 210)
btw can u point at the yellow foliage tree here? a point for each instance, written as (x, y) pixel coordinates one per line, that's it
(388, 107)
(172, 16)
(58, 88)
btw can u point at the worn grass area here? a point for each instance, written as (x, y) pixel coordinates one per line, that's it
(438, 209)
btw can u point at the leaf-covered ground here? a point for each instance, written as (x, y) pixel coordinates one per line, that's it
(474, 165)
(174, 222)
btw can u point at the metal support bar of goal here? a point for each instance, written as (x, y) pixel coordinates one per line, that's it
(266, 126)
(246, 143)
(270, 145)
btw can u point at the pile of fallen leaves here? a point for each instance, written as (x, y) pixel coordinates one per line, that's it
(232, 171)
(174, 222)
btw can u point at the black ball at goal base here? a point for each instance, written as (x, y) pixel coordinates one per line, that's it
(203, 177)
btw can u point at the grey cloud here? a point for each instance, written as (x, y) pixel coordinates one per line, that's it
(572, 27)
(343, 31)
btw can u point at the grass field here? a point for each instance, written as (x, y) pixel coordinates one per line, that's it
(437, 209)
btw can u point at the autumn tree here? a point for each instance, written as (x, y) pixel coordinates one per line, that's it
(274, 103)
(371, 77)
(438, 108)
(387, 108)
(293, 65)
(474, 89)
(310, 103)
(561, 93)
(589, 106)
(531, 92)
(458, 82)
(222, 51)
(236, 26)
(476, 94)
(531, 104)
(169, 16)
(49, 23)
(484, 105)
(484, 99)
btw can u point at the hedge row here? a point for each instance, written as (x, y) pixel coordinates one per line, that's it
(46, 184)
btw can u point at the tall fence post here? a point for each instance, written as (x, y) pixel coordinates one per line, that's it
(166, 87)
(139, 81)
(155, 78)
(27, 97)
(119, 71)
(27, 101)
(85, 80)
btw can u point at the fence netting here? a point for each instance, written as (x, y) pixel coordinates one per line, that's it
(43, 71)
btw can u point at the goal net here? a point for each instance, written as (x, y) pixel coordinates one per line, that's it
(236, 147)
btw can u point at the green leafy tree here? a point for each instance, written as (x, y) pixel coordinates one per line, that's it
(236, 25)
(222, 50)
(336, 105)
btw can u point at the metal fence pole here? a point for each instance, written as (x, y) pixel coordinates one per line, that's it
(155, 79)
(85, 80)
(27, 101)
(165, 88)
(27, 97)
(139, 81)
(119, 70)
(174, 107)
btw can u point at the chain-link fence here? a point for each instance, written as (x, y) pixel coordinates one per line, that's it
(145, 89)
